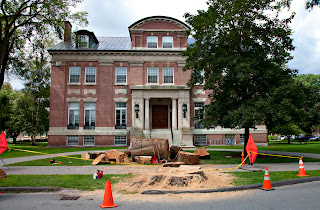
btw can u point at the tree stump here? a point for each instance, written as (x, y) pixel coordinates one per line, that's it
(188, 158)
(204, 154)
(174, 151)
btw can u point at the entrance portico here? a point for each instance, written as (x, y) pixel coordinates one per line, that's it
(161, 112)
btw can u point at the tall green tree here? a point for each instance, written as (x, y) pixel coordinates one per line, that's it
(5, 105)
(31, 109)
(242, 47)
(21, 20)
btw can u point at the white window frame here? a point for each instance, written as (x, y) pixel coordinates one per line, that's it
(163, 74)
(69, 140)
(152, 39)
(122, 109)
(198, 106)
(87, 140)
(120, 138)
(120, 72)
(90, 70)
(167, 39)
(242, 138)
(148, 74)
(83, 41)
(74, 109)
(198, 136)
(227, 137)
(74, 70)
(91, 108)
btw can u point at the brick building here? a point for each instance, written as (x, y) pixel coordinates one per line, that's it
(106, 89)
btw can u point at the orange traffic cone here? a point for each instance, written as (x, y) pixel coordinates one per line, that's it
(108, 199)
(242, 159)
(266, 182)
(301, 169)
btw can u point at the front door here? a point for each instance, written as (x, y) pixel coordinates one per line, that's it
(159, 116)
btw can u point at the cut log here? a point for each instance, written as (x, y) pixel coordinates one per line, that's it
(174, 151)
(173, 164)
(115, 155)
(204, 154)
(148, 146)
(85, 156)
(188, 158)
(102, 157)
(143, 159)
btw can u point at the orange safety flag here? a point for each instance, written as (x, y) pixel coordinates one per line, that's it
(3, 142)
(251, 149)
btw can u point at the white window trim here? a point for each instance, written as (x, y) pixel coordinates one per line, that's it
(114, 141)
(73, 113)
(171, 42)
(156, 39)
(195, 110)
(67, 142)
(157, 76)
(120, 108)
(94, 141)
(95, 75)
(84, 113)
(74, 83)
(164, 75)
(121, 83)
(86, 37)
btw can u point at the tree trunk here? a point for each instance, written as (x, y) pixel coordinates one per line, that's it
(188, 158)
(246, 137)
(149, 147)
(33, 140)
(14, 139)
(288, 137)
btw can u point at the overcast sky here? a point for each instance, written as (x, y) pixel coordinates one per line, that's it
(112, 18)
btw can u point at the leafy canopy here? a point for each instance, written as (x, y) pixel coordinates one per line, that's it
(242, 47)
(21, 20)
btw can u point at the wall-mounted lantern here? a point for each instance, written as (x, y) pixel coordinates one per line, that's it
(184, 109)
(136, 109)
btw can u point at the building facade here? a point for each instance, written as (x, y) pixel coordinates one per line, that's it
(104, 90)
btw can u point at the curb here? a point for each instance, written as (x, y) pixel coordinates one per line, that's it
(29, 189)
(236, 188)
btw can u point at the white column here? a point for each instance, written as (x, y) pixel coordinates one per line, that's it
(146, 121)
(180, 114)
(174, 114)
(133, 113)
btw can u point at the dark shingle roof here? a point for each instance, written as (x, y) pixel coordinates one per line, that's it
(105, 43)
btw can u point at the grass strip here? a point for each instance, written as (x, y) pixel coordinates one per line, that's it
(80, 182)
(246, 178)
(217, 157)
(47, 150)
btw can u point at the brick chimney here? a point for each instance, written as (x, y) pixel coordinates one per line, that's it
(67, 31)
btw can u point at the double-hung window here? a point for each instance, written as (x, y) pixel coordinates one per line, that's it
(152, 75)
(83, 41)
(121, 116)
(74, 74)
(168, 73)
(152, 42)
(167, 42)
(90, 74)
(121, 75)
(198, 115)
(73, 115)
(89, 115)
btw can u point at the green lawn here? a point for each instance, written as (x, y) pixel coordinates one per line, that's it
(80, 182)
(216, 157)
(42, 147)
(310, 147)
(246, 178)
